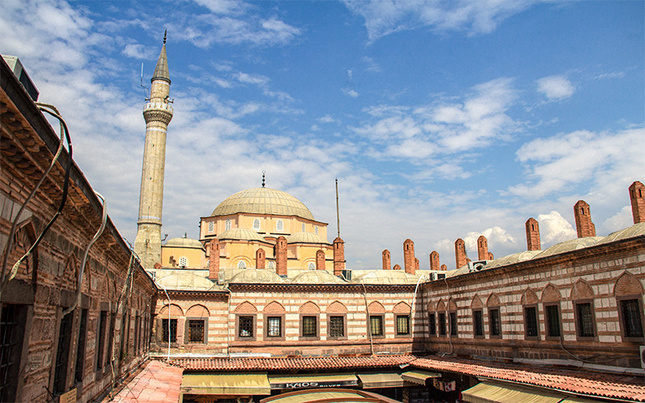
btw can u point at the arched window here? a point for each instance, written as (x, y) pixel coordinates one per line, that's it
(228, 224)
(312, 266)
(241, 264)
(211, 226)
(316, 230)
(271, 265)
(303, 227)
(256, 224)
(279, 226)
(183, 262)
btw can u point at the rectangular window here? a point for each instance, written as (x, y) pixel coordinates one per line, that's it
(169, 330)
(245, 326)
(432, 324)
(585, 320)
(530, 321)
(403, 324)
(274, 326)
(101, 334)
(632, 321)
(80, 348)
(309, 326)
(195, 330)
(12, 328)
(336, 326)
(494, 322)
(552, 320)
(478, 323)
(442, 324)
(376, 325)
(453, 323)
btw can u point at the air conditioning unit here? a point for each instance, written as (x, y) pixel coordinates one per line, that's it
(346, 274)
(476, 266)
(643, 357)
(441, 276)
(433, 276)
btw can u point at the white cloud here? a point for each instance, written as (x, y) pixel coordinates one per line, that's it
(138, 51)
(327, 119)
(474, 16)
(555, 88)
(497, 237)
(350, 92)
(554, 229)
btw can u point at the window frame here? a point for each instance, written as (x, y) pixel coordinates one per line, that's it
(307, 317)
(547, 320)
(453, 324)
(478, 316)
(258, 226)
(497, 320)
(621, 315)
(577, 319)
(164, 332)
(407, 325)
(267, 318)
(442, 328)
(343, 316)
(381, 319)
(279, 226)
(432, 324)
(254, 325)
(187, 339)
(535, 317)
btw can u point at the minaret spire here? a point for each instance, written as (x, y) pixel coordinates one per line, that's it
(157, 113)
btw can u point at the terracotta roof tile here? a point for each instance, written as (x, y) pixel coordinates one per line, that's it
(574, 381)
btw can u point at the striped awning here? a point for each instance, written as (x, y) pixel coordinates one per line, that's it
(419, 377)
(238, 384)
(500, 392)
(381, 380)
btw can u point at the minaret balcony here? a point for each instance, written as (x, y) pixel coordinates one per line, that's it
(159, 106)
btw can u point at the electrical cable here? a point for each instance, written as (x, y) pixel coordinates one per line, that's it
(369, 320)
(64, 133)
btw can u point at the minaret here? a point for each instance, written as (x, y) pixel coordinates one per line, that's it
(157, 112)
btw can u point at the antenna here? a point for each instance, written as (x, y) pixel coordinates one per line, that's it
(337, 210)
(145, 92)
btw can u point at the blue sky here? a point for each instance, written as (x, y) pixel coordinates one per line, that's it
(441, 120)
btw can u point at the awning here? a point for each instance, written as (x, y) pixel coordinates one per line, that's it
(381, 380)
(419, 377)
(310, 381)
(226, 384)
(499, 392)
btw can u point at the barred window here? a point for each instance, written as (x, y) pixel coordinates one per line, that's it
(376, 325)
(478, 323)
(336, 326)
(453, 323)
(432, 324)
(530, 321)
(442, 324)
(211, 226)
(169, 330)
(228, 225)
(632, 321)
(62, 354)
(402, 324)
(279, 226)
(183, 262)
(552, 320)
(274, 326)
(195, 330)
(256, 224)
(494, 322)
(245, 326)
(585, 320)
(101, 332)
(309, 326)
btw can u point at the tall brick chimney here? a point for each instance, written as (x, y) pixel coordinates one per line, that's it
(461, 259)
(320, 259)
(532, 234)
(387, 263)
(482, 248)
(339, 256)
(637, 197)
(213, 260)
(434, 261)
(408, 256)
(281, 256)
(584, 226)
(260, 258)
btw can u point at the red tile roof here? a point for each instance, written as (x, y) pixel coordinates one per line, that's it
(157, 382)
(284, 363)
(598, 384)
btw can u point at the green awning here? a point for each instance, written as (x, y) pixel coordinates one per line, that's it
(419, 377)
(311, 381)
(500, 392)
(381, 380)
(226, 384)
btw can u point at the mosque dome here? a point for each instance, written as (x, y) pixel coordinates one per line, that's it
(184, 243)
(305, 237)
(251, 276)
(186, 281)
(240, 234)
(263, 201)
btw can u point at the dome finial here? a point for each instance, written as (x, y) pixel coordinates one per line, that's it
(263, 178)
(164, 36)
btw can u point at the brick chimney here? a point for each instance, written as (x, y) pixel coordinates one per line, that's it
(387, 263)
(281, 256)
(482, 248)
(339, 256)
(213, 260)
(444, 267)
(416, 264)
(584, 226)
(408, 256)
(461, 259)
(532, 234)
(637, 197)
(260, 258)
(320, 259)
(434, 261)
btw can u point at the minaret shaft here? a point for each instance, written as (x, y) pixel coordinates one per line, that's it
(157, 113)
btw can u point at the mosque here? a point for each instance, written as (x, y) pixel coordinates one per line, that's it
(262, 308)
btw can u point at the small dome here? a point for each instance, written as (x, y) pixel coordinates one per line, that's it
(514, 258)
(263, 201)
(568, 246)
(305, 237)
(629, 232)
(384, 277)
(240, 234)
(317, 277)
(248, 276)
(185, 281)
(184, 243)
